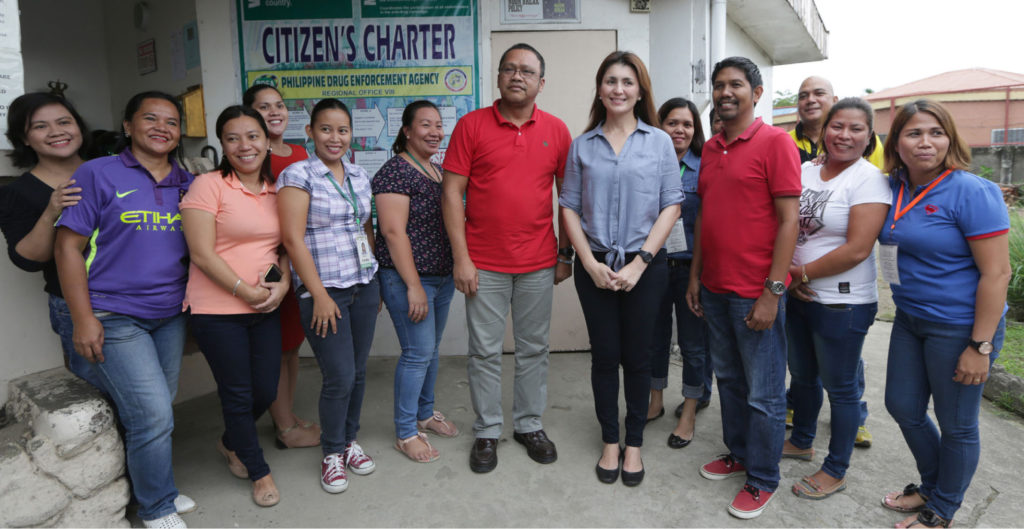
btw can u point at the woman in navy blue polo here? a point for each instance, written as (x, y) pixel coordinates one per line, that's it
(944, 250)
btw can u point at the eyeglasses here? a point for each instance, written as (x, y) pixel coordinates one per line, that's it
(510, 71)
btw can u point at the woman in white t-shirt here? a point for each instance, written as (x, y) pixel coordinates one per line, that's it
(833, 297)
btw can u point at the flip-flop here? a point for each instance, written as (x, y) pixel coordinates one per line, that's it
(907, 491)
(810, 489)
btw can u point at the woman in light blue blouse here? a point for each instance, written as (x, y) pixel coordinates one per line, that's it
(619, 200)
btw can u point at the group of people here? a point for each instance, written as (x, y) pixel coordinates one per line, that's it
(765, 262)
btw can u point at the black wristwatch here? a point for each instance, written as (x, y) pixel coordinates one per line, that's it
(984, 348)
(646, 257)
(775, 287)
(566, 252)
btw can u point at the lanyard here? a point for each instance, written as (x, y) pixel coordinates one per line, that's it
(430, 174)
(354, 201)
(899, 199)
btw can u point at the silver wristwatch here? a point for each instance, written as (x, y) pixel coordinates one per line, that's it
(775, 287)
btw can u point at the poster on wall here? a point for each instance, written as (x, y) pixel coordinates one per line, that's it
(12, 72)
(377, 56)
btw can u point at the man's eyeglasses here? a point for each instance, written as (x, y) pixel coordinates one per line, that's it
(510, 71)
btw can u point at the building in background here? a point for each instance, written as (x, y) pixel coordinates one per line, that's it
(107, 50)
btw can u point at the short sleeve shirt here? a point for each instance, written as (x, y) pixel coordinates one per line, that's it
(689, 172)
(619, 196)
(332, 225)
(280, 163)
(938, 276)
(510, 172)
(431, 251)
(22, 202)
(824, 221)
(739, 183)
(136, 255)
(248, 236)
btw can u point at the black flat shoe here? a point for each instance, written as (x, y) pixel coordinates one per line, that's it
(632, 479)
(605, 475)
(700, 406)
(658, 416)
(674, 441)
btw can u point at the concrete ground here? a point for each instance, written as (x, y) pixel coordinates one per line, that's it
(521, 493)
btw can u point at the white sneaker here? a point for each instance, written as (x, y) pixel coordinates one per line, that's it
(184, 505)
(171, 521)
(357, 460)
(333, 477)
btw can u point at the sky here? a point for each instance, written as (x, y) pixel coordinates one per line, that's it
(879, 44)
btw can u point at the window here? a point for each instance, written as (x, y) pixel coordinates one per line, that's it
(1016, 136)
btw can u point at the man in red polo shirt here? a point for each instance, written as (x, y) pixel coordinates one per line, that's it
(503, 159)
(747, 229)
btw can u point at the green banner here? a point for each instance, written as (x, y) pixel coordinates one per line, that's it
(415, 8)
(295, 9)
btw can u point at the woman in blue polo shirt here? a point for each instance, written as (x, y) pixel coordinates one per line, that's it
(944, 250)
(121, 257)
(619, 200)
(681, 120)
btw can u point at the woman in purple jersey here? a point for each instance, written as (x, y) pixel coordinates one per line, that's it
(121, 258)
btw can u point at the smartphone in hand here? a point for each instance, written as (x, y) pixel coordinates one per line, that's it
(273, 274)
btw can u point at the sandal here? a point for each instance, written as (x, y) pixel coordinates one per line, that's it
(402, 445)
(297, 436)
(888, 501)
(928, 518)
(809, 488)
(437, 424)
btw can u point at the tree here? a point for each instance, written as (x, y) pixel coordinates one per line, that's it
(784, 98)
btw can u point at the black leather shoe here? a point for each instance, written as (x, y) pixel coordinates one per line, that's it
(484, 455)
(700, 406)
(538, 446)
(674, 441)
(632, 479)
(605, 475)
(656, 417)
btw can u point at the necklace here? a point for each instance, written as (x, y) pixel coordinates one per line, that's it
(432, 175)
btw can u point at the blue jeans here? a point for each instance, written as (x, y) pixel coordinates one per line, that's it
(825, 344)
(244, 353)
(142, 360)
(923, 356)
(691, 332)
(417, 366)
(751, 371)
(60, 322)
(342, 359)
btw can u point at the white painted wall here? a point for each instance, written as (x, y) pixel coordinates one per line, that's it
(738, 43)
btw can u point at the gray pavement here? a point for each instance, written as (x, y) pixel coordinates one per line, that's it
(521, 493)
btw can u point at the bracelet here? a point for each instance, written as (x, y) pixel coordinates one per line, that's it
(803, 273)
(235, 290)
(563, 260)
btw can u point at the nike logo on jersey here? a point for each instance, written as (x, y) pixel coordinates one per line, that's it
(126, 193)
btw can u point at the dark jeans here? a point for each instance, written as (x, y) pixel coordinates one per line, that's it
(825, 343)
(691, 332)
(923, 356)
(342, 359)
(244, 353)
(621, 326)
(751, 370)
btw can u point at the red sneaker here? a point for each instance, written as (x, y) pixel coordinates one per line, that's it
(750, 502)
(333, 477)
(724, 467)
(357, 460)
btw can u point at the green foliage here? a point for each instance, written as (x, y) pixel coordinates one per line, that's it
(1009, 402)
(1015, 292)
(784, 98)
(1011, 356)
(986, 172)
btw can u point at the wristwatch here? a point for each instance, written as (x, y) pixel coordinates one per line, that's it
(984, 348)
(646, 257)
(775, 287)
(567, 252)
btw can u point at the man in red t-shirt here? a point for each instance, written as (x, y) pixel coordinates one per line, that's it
(746, 233)
(503, 159)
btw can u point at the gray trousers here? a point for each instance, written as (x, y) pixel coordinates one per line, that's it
(530, 297)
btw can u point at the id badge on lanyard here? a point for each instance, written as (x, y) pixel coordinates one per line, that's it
(362, 242)
(676, 238)
(888, 261)
(888, 254)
